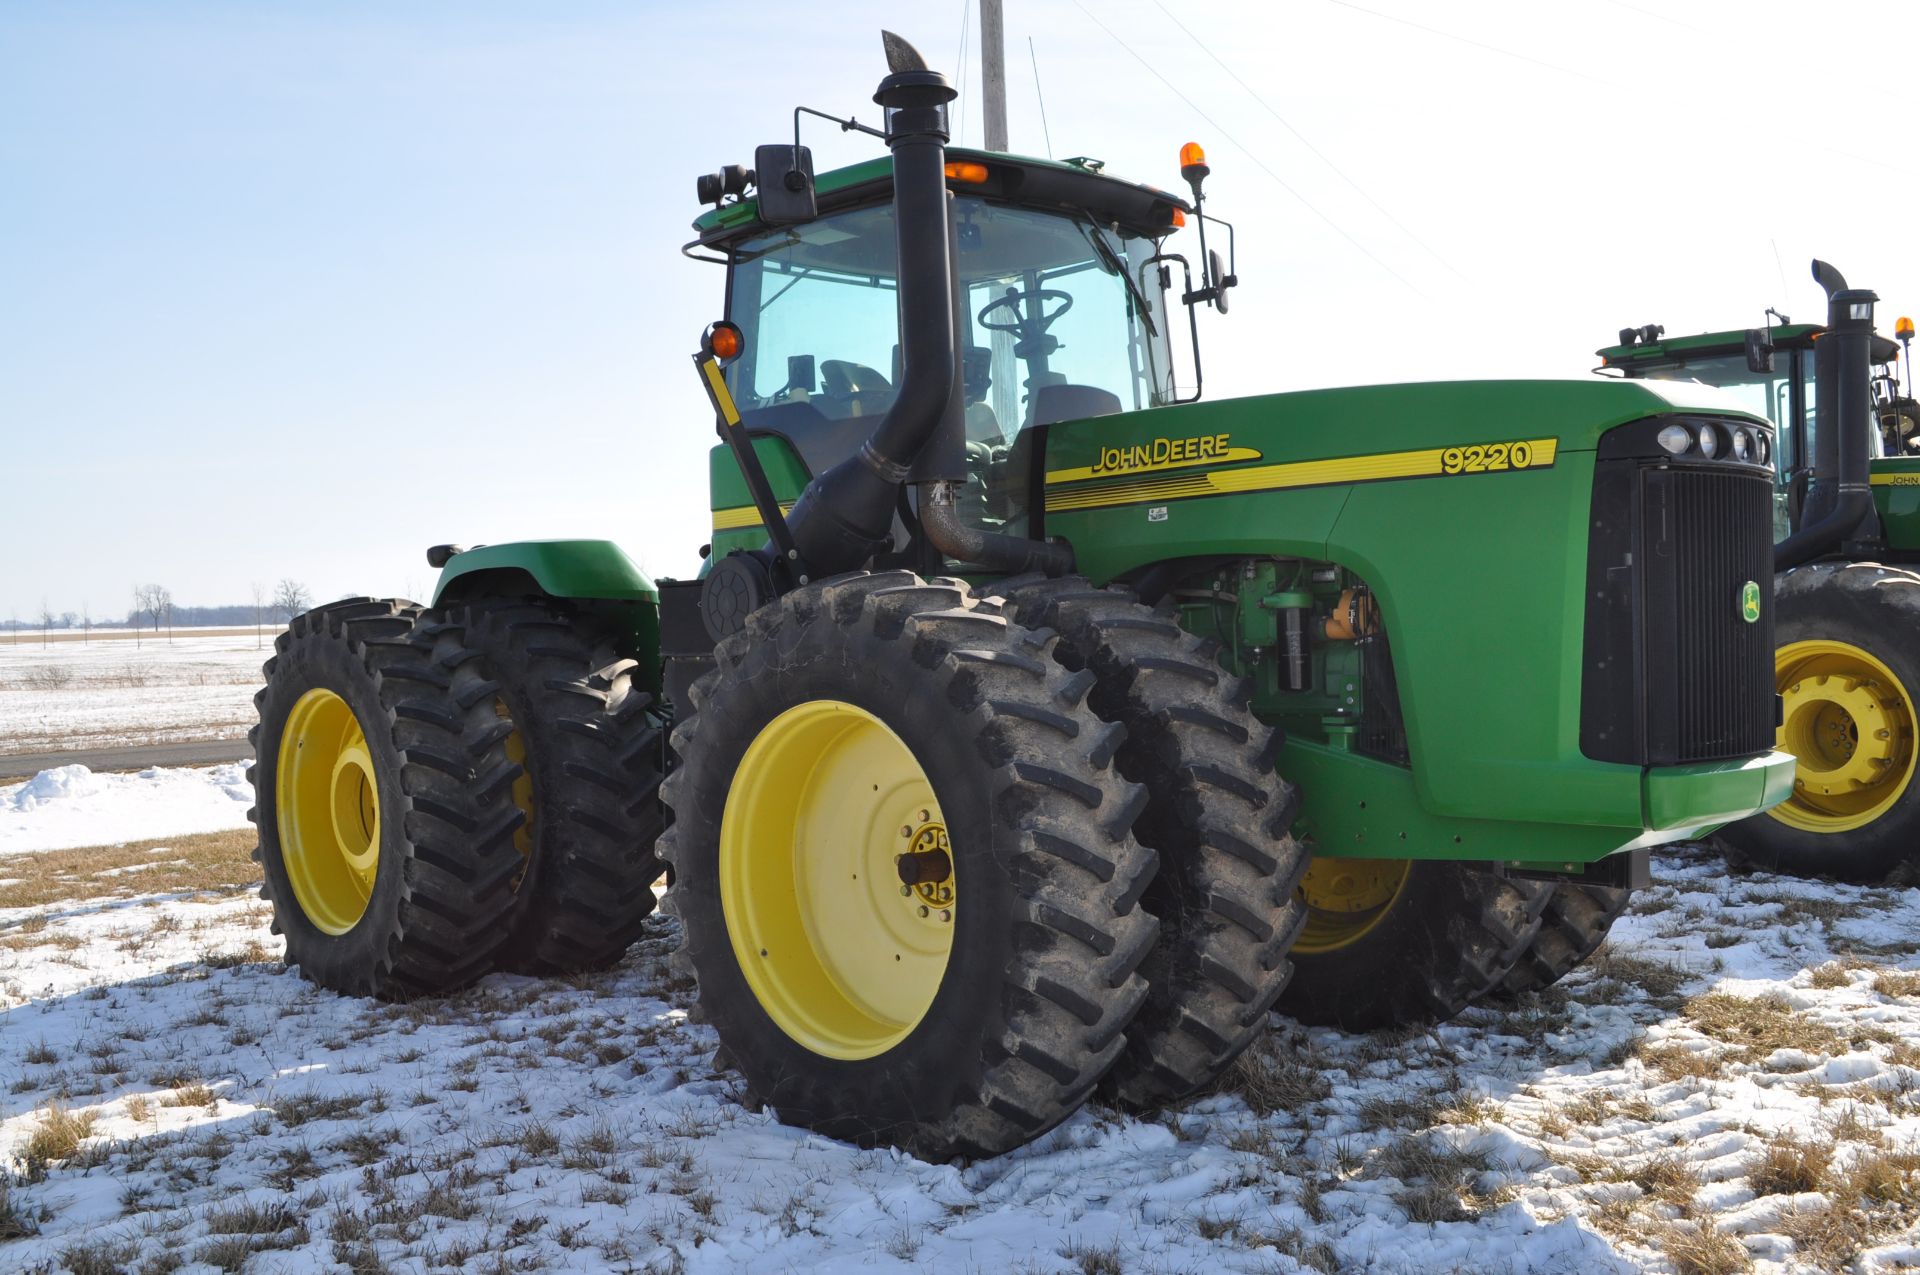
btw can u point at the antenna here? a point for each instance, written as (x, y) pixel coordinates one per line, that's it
(1783, 273)
(1040, 97)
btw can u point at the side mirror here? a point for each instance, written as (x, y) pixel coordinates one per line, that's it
(1221, 279)
(785, 176)
(1759, 350)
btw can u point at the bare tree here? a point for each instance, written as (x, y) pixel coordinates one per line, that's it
(259, 606)
(139, 605)
(290, 598)
(164, 602)
(86, 622)
(153, 600)
(46, 620)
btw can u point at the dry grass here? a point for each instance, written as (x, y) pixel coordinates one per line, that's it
(1874, 1198)
(57, 1137)
(1898, 983)
(1270, 1077)
(1704, 1250)
(1676, 1062)
(1789, 1166)
(205, 863)
(1759, 1025)
(1660, 980)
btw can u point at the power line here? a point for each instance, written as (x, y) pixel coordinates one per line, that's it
(960, 108)
(1461, 39)
(1040, 97)
(1257, 163)
(1302, 138)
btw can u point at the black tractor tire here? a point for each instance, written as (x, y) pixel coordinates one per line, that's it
(1217, 814)
(1575, 923)
(593, 746)
(1877, 610)
(1449, 935)
(441, 885)
(1041, 979)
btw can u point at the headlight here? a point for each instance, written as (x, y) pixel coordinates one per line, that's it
(1742, 445)
(1761, 451)
(1709, 442)
(1676, 439)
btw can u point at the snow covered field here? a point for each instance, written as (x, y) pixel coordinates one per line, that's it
(111, 692)
(1733, 1084)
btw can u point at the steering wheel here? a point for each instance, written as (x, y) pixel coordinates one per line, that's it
(1024, 325)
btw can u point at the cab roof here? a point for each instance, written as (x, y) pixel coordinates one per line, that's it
(1074, 185)
(1680, 350)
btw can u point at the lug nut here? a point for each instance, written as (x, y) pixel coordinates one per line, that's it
(923, 909)
(946, 914)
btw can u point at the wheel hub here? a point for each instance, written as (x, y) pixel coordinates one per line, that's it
(1347, 897)
(1850, 725)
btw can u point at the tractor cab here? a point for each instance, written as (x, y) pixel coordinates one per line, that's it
(1062, 313)
(1771, 372)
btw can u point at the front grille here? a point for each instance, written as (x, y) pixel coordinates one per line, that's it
(1722, 537)
(1673, 671)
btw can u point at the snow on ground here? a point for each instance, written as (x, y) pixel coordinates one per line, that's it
(1733, 1084)
(111, 692)
(71, 806)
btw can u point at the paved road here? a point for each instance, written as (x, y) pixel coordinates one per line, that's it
(199, 753)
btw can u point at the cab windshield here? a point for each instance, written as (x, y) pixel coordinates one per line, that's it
(1057, 325)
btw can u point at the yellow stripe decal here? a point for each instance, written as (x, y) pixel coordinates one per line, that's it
(722, 399)
(1431, 462)
(739, 517)
(1895, 480)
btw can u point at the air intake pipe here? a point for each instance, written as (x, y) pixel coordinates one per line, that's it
(1839, 500)
(844, 516)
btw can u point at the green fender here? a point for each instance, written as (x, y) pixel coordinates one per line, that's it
(595, 573)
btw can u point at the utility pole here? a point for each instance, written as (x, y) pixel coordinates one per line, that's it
(993, 74)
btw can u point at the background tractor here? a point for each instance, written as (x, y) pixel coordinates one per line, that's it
(1020, 684)
(1847, 512)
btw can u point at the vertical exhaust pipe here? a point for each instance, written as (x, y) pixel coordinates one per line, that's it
(844, 516)
(1839, 500)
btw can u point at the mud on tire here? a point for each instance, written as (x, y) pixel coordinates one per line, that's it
(1574, 923)
(445, 823)
(1217, 814)
(1041, 978)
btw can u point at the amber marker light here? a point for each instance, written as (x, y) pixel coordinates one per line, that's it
(1193, 161)
(723, 341)
(972, 174)
(1179, 219)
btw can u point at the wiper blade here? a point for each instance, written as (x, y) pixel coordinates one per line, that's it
(1111, 260)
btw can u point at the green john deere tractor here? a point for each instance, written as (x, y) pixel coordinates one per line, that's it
(1847, 511)
(1020, 684)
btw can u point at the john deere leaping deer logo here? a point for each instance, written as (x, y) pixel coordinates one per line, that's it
(1750, 602)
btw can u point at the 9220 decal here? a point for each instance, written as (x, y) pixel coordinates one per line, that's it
(1487, 458)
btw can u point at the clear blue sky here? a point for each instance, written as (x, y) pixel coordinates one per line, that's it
(297, 290)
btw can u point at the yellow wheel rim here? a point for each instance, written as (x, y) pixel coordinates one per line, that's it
(836, 880)
(515, 747)
(327, 805)
(1346, 898)
(1849, 724)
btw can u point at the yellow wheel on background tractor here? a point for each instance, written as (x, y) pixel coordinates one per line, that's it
(1850, 722)
(836, 876)
(1848, 672)
(328, 803)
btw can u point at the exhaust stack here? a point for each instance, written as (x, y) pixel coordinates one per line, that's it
(1839, 500)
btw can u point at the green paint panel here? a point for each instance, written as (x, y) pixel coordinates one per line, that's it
(1481, 582)
(597, 569)
(1896, 494)
(785, 473)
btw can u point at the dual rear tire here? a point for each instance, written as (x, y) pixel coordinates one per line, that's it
(440, 794)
